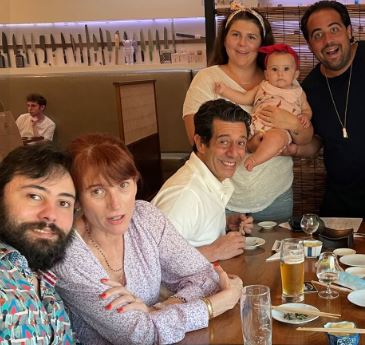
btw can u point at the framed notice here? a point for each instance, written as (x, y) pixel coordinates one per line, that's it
(137, 110)
(138, 128)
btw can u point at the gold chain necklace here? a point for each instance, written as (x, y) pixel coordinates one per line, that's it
(343, 124)
(98, 248)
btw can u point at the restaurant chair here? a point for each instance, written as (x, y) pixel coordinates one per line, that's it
(9, 134)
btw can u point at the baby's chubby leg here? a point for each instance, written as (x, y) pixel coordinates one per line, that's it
(273, 142)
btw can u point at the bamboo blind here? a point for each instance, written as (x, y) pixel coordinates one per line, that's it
(285, 23)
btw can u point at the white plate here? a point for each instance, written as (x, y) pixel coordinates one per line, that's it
(344, 251)
(356, 271)
(253, 242)
(357, 260)
(267, 225)
(357, 297)
(279, 315)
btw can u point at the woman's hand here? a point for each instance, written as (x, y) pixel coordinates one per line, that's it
(240, 222)
(254, 142)
(290, 150)
(279, 118)
(124, 300)
(274, 117)
(227, 298)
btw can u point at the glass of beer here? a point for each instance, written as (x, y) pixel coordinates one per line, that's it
(292, 270)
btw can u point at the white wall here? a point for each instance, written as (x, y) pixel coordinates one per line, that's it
(46, 11)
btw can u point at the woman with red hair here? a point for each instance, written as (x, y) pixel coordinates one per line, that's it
(123, 250)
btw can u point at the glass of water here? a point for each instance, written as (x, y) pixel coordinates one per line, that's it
(309, 223)
(328, 270)
(256, 315)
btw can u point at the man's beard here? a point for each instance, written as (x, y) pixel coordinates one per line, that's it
(41, 254)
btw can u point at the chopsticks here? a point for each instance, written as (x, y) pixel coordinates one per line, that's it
(334, 287)
(304, 311)
(332, 330)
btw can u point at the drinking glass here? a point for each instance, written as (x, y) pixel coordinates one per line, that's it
(328, 270)
(256, 315)
(292, 270)
(309, 223)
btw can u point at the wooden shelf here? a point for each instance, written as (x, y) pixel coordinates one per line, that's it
(45, 70)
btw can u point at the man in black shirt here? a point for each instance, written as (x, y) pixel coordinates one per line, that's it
(334, 91)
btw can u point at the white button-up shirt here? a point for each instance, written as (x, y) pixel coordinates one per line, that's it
(195, 200)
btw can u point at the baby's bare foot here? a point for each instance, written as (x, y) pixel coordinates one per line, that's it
(250, 163)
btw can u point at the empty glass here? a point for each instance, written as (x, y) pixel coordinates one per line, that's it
(328, 270)
(309, 223)
(256, 315)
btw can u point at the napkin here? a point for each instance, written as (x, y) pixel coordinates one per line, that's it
(274, 257)
(350, 281)
(285, 225)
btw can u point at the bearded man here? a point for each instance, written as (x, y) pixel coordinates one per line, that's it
(37, 198)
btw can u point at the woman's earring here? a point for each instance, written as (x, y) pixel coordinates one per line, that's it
(78, 209)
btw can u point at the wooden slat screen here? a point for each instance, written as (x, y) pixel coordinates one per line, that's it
(285, 23)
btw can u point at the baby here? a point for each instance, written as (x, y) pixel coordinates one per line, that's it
(279, 89)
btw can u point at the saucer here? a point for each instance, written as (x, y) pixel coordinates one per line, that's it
(356, 271)
(353, 260)
(253, 242)
(344, 251)
(279, 315)
(357, 297)
(267, 225)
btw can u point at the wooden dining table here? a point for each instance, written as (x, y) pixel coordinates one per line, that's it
(253, 269)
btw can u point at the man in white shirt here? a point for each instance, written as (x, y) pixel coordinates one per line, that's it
(195, 197)
(35, 124)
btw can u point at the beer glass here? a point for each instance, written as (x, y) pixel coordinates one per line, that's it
(328, 270)
(292, 270)
(256, 315)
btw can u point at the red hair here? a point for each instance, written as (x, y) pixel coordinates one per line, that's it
(96, 156)
(279, 48)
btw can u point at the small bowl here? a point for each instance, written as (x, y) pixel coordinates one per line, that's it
(336, 233)
(344, 251)
(267, 225)
(312, 248)
(339, 338)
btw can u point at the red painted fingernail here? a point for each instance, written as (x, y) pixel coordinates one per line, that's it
(102, 295)
(215, 263)
(104, 280)
(108, 307)
(120, 310)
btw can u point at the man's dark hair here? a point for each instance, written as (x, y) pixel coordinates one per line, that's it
(34, 161)
(217, 109)
(324, 5)
(37, 98)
